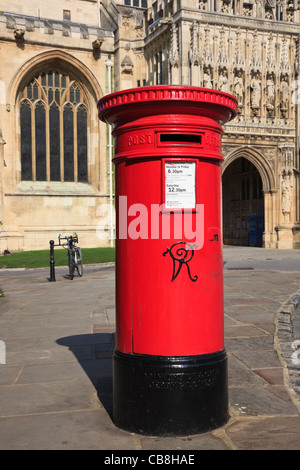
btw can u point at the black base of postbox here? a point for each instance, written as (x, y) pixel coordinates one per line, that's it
(170, 396)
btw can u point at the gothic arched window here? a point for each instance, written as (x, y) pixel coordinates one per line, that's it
(54, 129)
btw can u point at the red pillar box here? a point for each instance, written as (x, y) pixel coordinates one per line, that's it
(170, 365)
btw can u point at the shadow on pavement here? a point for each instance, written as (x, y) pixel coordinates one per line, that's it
(94, 354)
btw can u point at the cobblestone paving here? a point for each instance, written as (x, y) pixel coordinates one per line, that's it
(56, 384)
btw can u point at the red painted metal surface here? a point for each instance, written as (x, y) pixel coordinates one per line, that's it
(165, 306)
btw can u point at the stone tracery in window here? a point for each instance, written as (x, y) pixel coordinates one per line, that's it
(54, 126)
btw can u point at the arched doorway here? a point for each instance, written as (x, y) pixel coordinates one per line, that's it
(243, 204)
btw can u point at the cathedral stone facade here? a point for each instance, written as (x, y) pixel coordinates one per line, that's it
(58, 59)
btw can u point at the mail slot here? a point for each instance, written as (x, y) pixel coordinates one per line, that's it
(170, 364)
(181, 138)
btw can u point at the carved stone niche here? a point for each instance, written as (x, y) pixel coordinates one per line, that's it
(202, 4)
(284, 95)
(269, 14)
(255, 93)
(225, 7)
(238, 88)
(270, 95)
(287, 155)
(286, 193)
(291, 5)
(290, 11)
(248, 8)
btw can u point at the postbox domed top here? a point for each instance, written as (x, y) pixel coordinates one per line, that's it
(128, 105)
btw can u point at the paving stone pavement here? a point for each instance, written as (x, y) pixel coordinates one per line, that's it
(56, 382)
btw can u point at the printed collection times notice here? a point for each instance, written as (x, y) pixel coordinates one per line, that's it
(180, 191)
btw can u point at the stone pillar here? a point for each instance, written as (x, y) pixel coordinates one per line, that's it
(174, 56)
(284, 229)
(185, 46)
(194, 56)
(269, 238)
(268, 218)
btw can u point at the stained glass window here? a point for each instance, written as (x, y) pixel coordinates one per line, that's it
(54, 129)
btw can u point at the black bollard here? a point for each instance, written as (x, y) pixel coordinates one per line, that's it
(52, 262)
